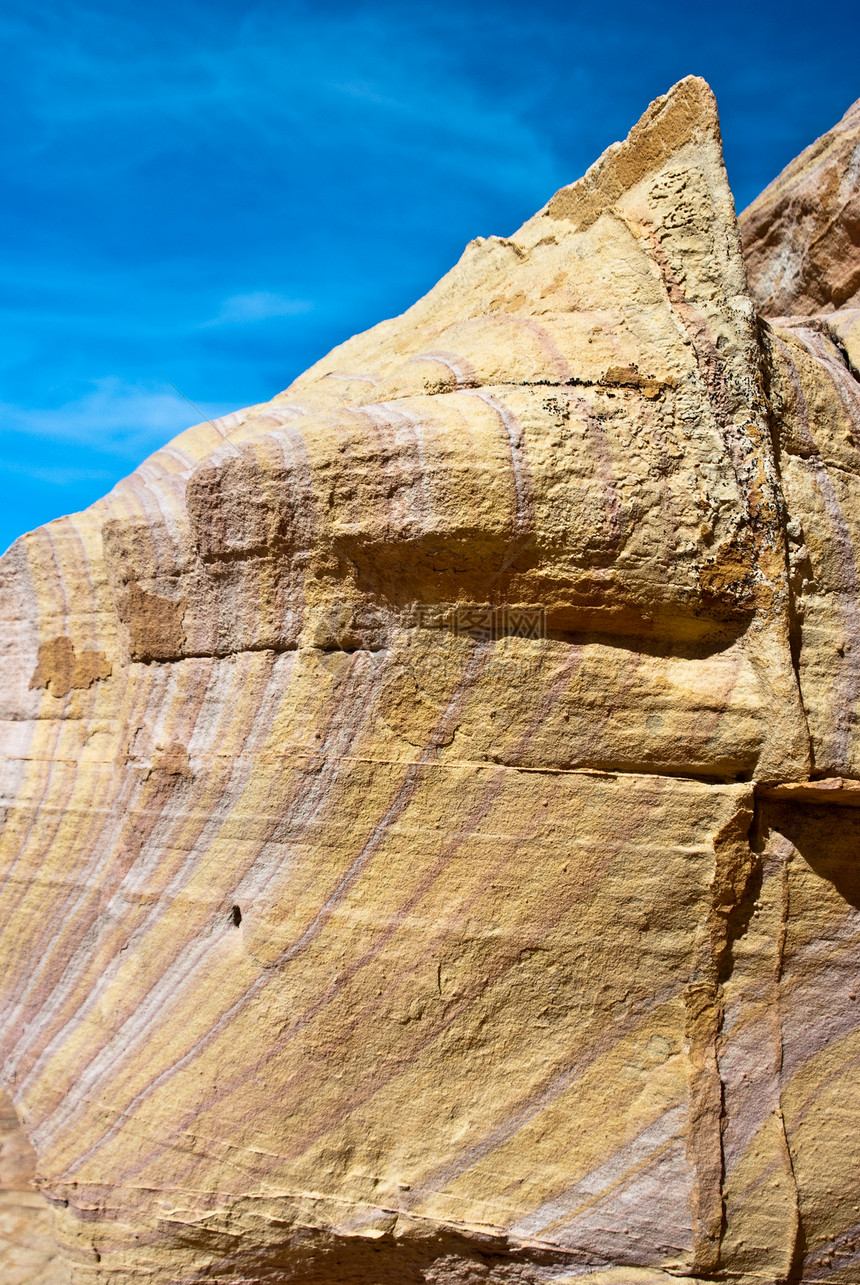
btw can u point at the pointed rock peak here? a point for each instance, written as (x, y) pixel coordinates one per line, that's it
(686, 115)
(666, 185)
(801, 237)
(598, 272)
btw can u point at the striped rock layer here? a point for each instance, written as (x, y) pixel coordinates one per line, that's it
(430, 843)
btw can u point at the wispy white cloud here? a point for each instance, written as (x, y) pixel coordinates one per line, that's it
(54, 476)
(59, 459)
(288, 75)
(259, 305)
(114, 418)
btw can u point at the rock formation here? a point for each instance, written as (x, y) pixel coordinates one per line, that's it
(431, 828)
(28, 1251)
(801, 237)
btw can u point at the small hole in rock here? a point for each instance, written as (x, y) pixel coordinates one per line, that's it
(236, 916)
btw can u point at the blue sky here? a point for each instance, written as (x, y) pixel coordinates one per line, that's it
(207, 197)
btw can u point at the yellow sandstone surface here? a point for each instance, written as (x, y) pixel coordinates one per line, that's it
(29, 1253)
(429, 852)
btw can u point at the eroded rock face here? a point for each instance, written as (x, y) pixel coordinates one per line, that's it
(429, 844)
(801, 237)
(28, 1250)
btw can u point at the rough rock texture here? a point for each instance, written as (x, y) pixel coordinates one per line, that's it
(801, 237)
(431, 828)
(28, 1250)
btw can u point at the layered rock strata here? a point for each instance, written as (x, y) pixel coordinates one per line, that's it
(429, 850)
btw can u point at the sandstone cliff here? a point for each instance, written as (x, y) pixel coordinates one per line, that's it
(430, 831)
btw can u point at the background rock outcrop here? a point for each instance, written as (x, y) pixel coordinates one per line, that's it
(430, 826)
(801, 237)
